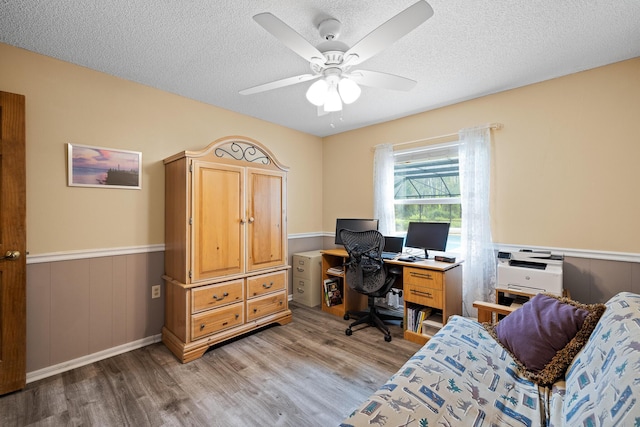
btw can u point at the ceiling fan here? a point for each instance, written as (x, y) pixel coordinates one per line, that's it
(331, 61)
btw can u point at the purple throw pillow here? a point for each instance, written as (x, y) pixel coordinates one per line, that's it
(538, 330)
(545, 334)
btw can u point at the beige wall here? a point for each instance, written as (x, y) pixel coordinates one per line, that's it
(564, 175)
(67, 103)
(565, 165)
(564, 169)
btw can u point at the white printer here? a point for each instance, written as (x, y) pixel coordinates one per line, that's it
(530, 271)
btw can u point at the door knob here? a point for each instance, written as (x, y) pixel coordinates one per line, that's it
(11, 255)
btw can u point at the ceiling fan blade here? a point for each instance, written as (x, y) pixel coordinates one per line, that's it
(279, 83)
(381, 80)
(387, 33)
(289, 37)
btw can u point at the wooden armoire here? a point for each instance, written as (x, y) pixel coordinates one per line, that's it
(225, 244)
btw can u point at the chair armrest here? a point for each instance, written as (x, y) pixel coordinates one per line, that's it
(487, 309)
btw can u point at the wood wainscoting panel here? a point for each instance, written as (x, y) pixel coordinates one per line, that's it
(79, 307)
(69, 310)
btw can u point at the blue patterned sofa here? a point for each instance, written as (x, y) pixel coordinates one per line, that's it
(463, 377)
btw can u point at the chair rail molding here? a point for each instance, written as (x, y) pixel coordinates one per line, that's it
(97, 253)
(92, 253)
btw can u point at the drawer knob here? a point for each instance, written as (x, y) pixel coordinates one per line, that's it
(264, 285)
(237, 315)
(300, 290)
(202, 326)
(224, 295)
(300, 269)
(255, 310)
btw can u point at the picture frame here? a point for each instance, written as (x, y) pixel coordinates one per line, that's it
(101, 167)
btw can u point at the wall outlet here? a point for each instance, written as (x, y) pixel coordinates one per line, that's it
(155, 291)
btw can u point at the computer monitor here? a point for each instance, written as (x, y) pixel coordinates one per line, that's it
(354, 224)
(428, 236)
(393, 244)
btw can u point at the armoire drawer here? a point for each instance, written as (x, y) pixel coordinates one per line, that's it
(266, 305)
(211, 296)
(216, 320)
(259, 285)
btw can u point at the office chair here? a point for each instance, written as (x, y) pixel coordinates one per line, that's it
(367, 274)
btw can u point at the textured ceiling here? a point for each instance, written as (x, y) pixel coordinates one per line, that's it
(208, 50)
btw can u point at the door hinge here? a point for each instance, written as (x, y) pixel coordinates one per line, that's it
(190, 167)
(190, 274)
(190, 220)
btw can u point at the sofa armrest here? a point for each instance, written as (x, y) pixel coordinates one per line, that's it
(487, 309)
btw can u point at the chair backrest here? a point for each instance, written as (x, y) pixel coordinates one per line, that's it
(364, 270)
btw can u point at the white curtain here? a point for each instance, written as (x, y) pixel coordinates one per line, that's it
(479, 267)
(383, 207)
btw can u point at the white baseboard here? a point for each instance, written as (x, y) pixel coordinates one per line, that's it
(91, 358)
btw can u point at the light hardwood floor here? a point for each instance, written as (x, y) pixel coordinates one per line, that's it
(306, 373)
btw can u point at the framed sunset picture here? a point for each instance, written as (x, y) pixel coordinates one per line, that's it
(103, 167)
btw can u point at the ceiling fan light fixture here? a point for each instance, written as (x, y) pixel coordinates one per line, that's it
(317, 92)
(333, 101)
(332, 60)
(349, 90)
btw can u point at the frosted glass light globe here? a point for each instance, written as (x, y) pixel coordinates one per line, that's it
(317, 92)
(333, 102)
(349, 90)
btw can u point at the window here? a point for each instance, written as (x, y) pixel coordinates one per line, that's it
(427, 188)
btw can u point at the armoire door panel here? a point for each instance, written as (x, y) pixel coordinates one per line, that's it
(266, 217)
(218, 218)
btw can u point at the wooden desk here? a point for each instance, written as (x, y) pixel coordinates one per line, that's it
(426, 283)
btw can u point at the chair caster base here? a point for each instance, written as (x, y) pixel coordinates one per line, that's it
(387, 338)
(346, 317)
(348, 332)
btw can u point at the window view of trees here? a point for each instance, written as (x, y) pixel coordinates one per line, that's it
(427, 188)
(451, 213)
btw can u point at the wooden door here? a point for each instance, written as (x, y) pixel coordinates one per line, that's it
(13, 301)
(266, 234)
(218, 219)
